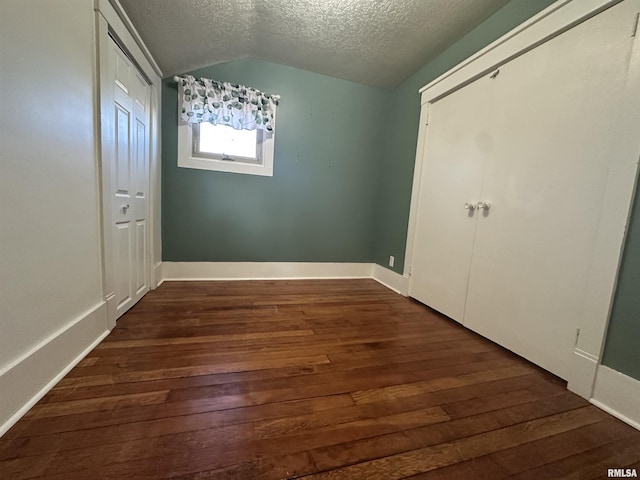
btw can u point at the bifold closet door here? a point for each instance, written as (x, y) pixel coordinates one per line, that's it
(457, 141)
(555, 111)
(129, 179)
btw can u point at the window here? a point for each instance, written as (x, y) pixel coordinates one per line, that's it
(219, 147)
(226, 127)
(225, 143)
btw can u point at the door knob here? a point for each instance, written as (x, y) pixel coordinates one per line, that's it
(470, 206)
(484, 205)
(125, 208)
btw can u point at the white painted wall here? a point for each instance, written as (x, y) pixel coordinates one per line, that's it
(50, 272)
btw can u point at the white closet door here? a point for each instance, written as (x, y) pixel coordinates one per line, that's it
(457, 141)
(555, 112)
(129, 179)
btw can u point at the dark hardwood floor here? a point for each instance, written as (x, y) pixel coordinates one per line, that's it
(314, 379)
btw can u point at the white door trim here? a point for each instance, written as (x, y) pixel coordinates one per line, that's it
(115, 16)
(110, 17)
(614, 215)
(550, 22)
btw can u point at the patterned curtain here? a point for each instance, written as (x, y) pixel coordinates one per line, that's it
(223, 103)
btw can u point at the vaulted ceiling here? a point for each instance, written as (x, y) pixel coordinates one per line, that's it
(375, 42)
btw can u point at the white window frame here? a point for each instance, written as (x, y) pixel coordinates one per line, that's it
(187, 159)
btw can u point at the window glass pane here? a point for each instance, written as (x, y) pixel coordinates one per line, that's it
(221, 139)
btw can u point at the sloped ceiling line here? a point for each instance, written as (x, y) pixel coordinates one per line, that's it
(375, 42)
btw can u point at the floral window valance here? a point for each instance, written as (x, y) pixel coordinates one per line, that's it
(223, 103)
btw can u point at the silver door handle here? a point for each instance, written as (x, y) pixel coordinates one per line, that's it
(470, 206)
(484, 205)
(125, 208)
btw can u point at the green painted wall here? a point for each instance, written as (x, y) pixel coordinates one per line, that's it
(622, 347)
(318, 206)
(396, 174)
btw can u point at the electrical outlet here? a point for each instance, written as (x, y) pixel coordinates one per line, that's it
(392, 260)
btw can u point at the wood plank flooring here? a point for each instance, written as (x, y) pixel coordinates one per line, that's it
(318, 379)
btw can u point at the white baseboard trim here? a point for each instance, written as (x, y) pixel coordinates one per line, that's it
(157, 275)
(618, 394)
(26, 380)
(390, 279)
(181, 271)
(582, 374)
(263, 270)
(112, 310)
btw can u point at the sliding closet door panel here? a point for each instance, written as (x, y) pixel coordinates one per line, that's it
(555, 112)
(457, 141)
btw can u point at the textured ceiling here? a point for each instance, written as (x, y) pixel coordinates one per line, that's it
(376, 42)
